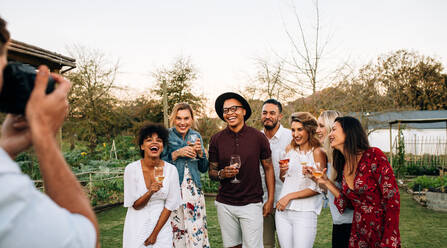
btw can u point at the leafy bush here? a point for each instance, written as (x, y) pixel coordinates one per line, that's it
(399, 159)
(415, 169)
(29, 165)
(435, 184)
(105, 192)
(208, 185)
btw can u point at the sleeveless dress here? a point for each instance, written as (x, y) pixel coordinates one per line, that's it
(139, 224)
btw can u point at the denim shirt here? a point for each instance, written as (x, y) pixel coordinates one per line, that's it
(175, 142)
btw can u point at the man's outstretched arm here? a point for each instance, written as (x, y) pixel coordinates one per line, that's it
(45, 115)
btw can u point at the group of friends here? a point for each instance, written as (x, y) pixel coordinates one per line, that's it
(277, 185)
(272, 182)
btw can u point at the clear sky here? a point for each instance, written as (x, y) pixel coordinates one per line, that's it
(223, 37)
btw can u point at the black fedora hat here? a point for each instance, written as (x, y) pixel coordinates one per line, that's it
(218, 106)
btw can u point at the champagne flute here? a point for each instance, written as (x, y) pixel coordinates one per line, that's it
(158, 173)
(235, 161)
(192, 138)
(284, 160)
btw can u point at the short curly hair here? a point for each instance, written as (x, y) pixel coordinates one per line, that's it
(150, 128)
(4, 36)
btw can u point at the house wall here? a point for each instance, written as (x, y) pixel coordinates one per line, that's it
(417, 141)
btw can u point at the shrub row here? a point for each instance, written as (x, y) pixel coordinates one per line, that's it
(435, 184)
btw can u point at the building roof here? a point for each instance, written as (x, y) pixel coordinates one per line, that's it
(35, 56)
(381, 120)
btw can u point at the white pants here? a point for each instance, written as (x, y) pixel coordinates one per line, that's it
(296, 229)
(241, 224)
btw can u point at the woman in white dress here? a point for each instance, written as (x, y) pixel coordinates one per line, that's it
(300, 202)
(149, 202)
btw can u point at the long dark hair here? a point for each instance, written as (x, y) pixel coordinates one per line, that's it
(356, 142)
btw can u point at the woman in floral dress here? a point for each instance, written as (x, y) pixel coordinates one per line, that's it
(368, 186)
(188, 155)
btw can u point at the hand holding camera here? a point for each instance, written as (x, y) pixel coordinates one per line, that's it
(45, 107)
(46, 112)
(18, 83)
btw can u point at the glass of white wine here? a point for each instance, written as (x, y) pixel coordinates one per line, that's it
(317, 172)
(303, 160)
(158, 174)
(191, 142)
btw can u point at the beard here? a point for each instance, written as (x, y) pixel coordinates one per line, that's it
(270, 127)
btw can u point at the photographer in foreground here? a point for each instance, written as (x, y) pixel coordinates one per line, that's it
(63, 217)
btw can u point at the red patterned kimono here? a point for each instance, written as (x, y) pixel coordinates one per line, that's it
(376, 202)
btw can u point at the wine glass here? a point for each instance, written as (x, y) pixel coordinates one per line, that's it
(318, 172)
(303, 160)
(235, 161)
(284, 160)
(158, 173)
(191, 142)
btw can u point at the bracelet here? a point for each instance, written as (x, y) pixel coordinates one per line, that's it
(218, 174)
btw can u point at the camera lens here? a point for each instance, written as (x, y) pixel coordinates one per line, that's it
(18, 82)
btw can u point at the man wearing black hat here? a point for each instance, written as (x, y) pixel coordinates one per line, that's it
(239, 205)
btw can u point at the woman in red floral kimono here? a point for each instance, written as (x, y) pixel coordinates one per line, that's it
(368, 186)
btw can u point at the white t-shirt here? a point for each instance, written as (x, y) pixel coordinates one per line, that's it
(139, 224)
(29, 218)
(278, 143)
(296, 181)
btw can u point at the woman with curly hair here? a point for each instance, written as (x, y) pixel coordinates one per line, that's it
(148, 199)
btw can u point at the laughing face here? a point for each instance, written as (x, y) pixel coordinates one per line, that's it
(299, 134)
(321, 130)
(233, 113)
(152, 146)
(183, 121)
(337, 136)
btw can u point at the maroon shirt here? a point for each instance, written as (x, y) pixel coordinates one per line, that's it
(252, 146)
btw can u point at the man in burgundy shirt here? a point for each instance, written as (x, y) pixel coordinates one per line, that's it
(239, 205)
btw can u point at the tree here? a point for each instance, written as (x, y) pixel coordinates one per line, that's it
(92, 105)
(178, 78)
(141, 110)
(207, 127)
(409, 79)
(269, 82)
(309, 49)
(309, 67)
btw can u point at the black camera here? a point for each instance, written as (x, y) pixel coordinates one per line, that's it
(18, 82)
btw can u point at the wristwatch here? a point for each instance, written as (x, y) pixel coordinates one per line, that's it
(218, 174)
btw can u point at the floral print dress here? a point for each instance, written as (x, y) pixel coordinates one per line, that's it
(376, 203)
(189, 220)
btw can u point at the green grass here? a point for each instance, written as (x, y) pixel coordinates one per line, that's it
(419, 227)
